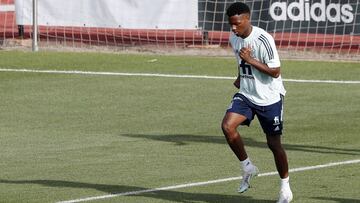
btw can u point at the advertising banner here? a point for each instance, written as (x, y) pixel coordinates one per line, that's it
(134, 14)
(308, 16)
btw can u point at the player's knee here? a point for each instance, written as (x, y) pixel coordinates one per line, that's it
(229, 132)
(226, 128)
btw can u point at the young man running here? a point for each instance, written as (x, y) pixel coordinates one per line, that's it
(261, 93)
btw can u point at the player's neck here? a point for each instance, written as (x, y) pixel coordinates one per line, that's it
(248, 32)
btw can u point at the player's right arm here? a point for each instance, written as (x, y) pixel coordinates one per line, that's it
(245, 54)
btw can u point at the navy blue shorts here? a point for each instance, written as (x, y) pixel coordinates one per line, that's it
(270, 117)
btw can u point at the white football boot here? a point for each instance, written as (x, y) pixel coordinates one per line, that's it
(247, 175)
(285, 196)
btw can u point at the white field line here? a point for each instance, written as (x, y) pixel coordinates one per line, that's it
(173, 187)
(161, 75)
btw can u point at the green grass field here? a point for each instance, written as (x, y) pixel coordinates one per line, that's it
(72, 136)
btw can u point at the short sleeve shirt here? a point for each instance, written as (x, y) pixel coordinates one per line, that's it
(260, 88)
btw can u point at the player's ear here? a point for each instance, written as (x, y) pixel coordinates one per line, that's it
(247, 16)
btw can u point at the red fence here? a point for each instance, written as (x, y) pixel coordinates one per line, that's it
(130, 37)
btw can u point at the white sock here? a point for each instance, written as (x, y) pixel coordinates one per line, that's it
(284, 183)
(246, 164)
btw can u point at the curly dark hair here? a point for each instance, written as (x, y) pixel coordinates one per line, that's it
(237, 8)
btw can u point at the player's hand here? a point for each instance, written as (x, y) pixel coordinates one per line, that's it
(245, 54)
(237, 83)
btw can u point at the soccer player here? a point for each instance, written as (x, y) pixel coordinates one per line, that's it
(261, 93)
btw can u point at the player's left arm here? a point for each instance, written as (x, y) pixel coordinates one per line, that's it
(269, 57)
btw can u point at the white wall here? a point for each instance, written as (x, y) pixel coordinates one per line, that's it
(138, 14)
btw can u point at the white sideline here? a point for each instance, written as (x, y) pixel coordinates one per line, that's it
(161, 75)
(173, 187)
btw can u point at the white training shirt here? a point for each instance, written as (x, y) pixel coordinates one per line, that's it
(260, 88)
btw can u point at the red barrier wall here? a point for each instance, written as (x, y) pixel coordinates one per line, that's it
(131, 37)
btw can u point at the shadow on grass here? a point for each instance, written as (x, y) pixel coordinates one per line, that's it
(169, 195)
(339, 200)
(179, 139)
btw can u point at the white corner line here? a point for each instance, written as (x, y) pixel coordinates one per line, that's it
(186, 185)
(161, 75)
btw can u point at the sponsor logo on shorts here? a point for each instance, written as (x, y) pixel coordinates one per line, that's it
(277, 128)
(276, 120)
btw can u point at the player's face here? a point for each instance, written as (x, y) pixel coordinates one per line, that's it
(240, 25)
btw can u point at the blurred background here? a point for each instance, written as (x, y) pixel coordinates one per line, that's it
(301, 28)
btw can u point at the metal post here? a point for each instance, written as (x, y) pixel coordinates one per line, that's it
(35, 26)
(21, 31)
(205, 38)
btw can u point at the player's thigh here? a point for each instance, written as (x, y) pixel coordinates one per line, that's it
(232, 120)
(238, 113)
(270, 119)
